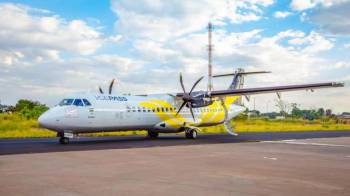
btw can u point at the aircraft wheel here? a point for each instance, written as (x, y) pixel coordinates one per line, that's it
(64, 140)
(153, 135)
(191, 134)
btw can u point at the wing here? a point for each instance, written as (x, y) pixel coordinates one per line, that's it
(272, 89)
(263, 90)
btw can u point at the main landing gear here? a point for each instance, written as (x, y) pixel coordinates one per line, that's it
(153, 135)
(191, 133)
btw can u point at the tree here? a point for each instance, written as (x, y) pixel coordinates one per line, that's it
(320, 112)
(296, 112)
(30, 109)
(283, 106)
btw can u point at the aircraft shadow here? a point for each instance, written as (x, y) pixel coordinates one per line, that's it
(44, 145)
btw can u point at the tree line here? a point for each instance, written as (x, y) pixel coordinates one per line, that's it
(27, 109)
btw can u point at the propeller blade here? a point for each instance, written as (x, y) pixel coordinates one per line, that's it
(171, 95)
(111, 86)
(190, 106)
(195, 84)
(100, 89)
(182, 84)
(183, 104)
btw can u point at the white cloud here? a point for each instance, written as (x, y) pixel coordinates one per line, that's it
(280, 14)
(301, 5)
(115, 39)
(341, 64)
(122, 64)
(347, 45)
(163, 20)
(27, 31)
(333, 18)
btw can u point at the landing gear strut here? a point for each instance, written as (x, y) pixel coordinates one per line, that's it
(153, 135)
(191, 133)
(64, 137)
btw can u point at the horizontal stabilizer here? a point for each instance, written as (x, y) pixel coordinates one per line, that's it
(242, 73)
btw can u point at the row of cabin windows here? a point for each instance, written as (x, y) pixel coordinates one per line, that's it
(171, 109)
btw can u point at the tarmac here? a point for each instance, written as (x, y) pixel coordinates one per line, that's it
(294, 163)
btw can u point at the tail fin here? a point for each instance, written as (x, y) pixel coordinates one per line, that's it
(238, 79)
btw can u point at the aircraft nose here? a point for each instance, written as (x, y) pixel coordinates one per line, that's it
(44, 120)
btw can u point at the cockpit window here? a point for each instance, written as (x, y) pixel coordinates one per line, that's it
(66, 102)
(78, 102)
(86, 102)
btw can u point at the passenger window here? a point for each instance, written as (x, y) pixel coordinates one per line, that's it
(78, 102)
(166, 109)
(162, 109)
(86, 102)
(158, 110)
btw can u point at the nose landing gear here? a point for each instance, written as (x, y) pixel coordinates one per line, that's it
(64, 140)
(64, 137)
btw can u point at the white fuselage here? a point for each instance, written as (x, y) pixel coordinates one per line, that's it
(120, 113)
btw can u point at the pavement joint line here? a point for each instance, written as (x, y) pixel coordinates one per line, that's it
(271, 158)
(305, 143)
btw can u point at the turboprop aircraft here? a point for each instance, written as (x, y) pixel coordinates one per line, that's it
(185, 111)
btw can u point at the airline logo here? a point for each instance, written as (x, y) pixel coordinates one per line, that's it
(110, 98)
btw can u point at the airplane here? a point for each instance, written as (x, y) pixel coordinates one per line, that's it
(185, 111)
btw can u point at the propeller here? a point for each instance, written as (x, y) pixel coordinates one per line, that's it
(186, 97)
(100, 89)
(110, 87)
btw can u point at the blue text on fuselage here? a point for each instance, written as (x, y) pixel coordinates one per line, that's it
(110, 98)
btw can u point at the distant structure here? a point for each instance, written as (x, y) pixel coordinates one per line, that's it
(344, 118)
(210, 49)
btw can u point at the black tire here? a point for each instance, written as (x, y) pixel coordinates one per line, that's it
(64, 140)
(191, 134)
(153, 135)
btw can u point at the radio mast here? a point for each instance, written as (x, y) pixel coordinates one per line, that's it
(210, 48)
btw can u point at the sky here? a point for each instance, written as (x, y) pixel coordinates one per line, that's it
(52, 48)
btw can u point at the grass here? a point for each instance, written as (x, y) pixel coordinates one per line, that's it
(264, 125)
(13, 126)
